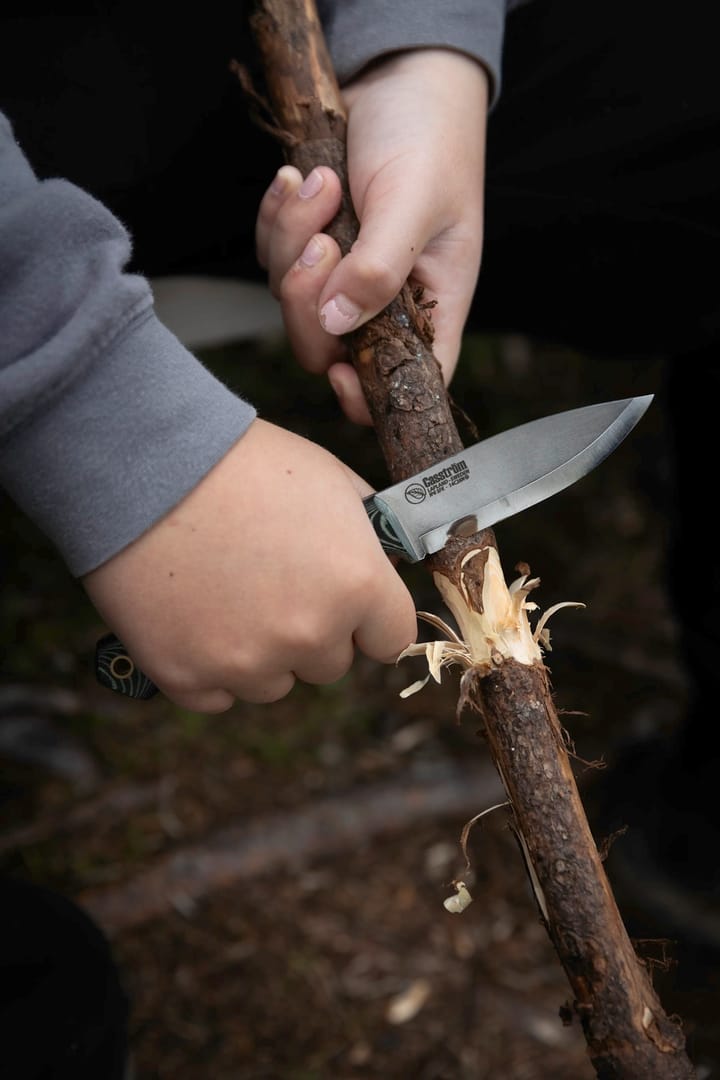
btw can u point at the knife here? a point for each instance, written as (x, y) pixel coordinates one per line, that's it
(471, 490)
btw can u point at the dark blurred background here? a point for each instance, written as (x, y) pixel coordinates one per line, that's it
(272, 878)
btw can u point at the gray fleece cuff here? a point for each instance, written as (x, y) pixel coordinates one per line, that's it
(360, 31)
(132, 436)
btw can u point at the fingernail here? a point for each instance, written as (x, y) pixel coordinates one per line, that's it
(339, 314)
(310, 185)
(313, 253)
(279, 183)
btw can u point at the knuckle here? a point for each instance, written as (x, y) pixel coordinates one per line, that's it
(288, 221)
(376, 277)
(248, 670)
(203, 701)
(304, 634)
(400, 619)
(264, 220)
(334, 671)
(240, 661)
(294, 285)
(363, 582)
(270, 690)
(261, 256)
(178, 682)
(219, 701)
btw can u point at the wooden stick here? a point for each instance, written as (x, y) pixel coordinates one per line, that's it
(628, 1034)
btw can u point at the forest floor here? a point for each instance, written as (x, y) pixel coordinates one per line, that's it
(272, 879)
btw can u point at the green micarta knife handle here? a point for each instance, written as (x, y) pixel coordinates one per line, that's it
(386, 534)
(116, 670)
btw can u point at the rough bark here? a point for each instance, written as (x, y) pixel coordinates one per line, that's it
(400, 376)
(629, 1036)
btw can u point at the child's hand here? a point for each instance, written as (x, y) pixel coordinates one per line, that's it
(268, 571)
(416, 149)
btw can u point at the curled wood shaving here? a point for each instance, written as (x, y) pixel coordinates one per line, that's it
(500, 631)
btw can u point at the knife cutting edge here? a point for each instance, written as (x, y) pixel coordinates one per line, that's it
(470, 491)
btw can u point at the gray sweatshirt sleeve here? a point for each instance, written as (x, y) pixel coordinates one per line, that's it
(360, 31)
(106, 420)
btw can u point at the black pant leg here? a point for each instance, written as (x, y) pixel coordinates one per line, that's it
(693, 568)
(603, 234)
(63, 1009)
(603, 178)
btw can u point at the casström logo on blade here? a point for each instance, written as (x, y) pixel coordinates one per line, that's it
(415, 493)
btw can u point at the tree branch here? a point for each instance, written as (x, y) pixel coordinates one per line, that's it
(628, 1034)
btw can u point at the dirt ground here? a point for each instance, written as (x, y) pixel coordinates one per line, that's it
(273, 878)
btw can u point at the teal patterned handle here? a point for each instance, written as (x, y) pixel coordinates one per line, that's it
(384, 531)
(116, 670)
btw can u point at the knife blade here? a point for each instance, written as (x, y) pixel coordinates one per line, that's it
(499, 477)
(472, 490)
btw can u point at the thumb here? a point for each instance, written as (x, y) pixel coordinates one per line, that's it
(392, 235)
(361, 486)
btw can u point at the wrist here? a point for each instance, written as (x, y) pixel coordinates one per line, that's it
(436, 64)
